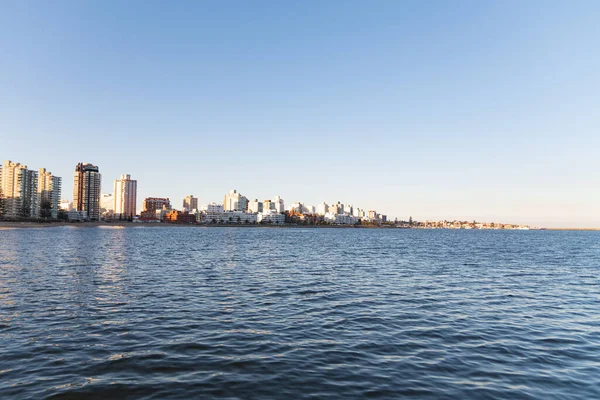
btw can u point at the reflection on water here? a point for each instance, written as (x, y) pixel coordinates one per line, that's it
(270, 313)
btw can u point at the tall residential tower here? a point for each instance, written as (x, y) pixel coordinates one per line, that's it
(125, 197)
(86, 190)
(19, 190)
(49, 190)
(234, 201)
(190, 203)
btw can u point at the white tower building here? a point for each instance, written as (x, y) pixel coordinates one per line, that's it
(125, 197)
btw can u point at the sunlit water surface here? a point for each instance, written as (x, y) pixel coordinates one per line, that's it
(168, 312)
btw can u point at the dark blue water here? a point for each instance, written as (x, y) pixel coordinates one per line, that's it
(298, 313)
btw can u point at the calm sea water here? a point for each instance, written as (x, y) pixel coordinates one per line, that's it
(298, 313)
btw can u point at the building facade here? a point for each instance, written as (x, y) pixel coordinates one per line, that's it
(268, 205)
(348, 209)
(340, 219)
(279, 205)
(211, 213)
(125, 197)
(107, 202)
(156, 203)
(255, 206)
(322, 209)
(178, 217)
(234, 201)
(87, 182)
(66, 205)
(19, 189)
(49, 191)
(190, 203)
(237, 217)
(270, 217)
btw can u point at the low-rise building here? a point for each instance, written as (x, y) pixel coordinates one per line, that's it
(340, 219)
(77, 215)
(211, 213)
(66, 205)
(160, 214)
(237, 217)
(179, 217)
(270, 217)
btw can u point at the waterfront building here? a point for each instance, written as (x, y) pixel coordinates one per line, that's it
(300, 208)
(190, 203)
(296, 207)
(125, 197)
(237, 217)
(160, 214)
(179, 217)
(234, 201)
(49, 191)
(322, 209)
(340, 219)
(19, 187)
(268, 205)
(279, 205)
(156, 203)
(348, 209)
(255, 206)
(271, 217)
(148, 216)
(74, 215)
(107, 202)
(336, 208)
(372, 215)
(211, 213)
(66, 205)
(86, 190)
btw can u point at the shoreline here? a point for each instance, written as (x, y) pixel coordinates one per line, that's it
(31, 224)
(28, 224)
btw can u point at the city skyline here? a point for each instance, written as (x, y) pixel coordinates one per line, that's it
(464, 110)
(130, 201)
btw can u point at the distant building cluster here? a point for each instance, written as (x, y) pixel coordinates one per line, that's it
(459, 225)
(29, 194)
(26, 193)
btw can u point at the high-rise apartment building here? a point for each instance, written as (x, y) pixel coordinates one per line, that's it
(255, 206)
(279, 205)
(19, 190)
(86, 190)
(190, 203)
(268, 205)
(49, 191)
(322, 209)
(125, 197)
(348, 209)
(234, 201)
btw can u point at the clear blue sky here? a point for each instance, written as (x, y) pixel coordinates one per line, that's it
(458, 109)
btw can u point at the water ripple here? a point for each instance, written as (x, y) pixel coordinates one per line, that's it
(314, 313)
